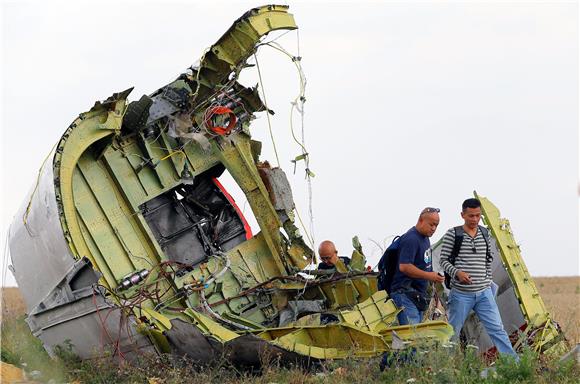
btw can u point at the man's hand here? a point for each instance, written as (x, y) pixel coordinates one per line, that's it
(416, 273)
(463, 277)
(435, 277)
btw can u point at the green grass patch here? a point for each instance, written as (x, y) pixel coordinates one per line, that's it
(22, 349)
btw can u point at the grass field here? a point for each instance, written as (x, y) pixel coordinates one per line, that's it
(561, 296)
(12, 304)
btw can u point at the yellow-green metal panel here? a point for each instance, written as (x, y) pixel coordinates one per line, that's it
(531, 304)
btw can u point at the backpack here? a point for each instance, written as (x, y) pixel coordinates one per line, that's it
(459, 233)
(388, 265)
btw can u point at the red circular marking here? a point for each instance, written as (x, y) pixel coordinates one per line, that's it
(219, 110)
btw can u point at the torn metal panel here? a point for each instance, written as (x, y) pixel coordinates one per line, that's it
(375, 314)
(193, 221)
(278, 188)
(543, 333)
(94, 327)
(185, 339)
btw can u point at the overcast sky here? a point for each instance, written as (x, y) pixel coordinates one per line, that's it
(408, 105)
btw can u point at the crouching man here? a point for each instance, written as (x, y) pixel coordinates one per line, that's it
(470, 270)
(329, 256)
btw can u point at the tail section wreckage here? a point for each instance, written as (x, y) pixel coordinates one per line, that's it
(129, 243)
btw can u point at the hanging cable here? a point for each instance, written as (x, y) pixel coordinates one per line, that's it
(310, 240)
(309, 174)
(27, 212)
(298, 105)
(179, 151)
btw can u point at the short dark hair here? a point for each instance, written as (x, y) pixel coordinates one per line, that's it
(470, 203)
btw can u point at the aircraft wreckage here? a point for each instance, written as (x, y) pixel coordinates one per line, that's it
(129, 244)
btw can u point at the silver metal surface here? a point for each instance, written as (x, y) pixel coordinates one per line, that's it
(278, 187)
(159, 109)
(38, 250)
(93, 327)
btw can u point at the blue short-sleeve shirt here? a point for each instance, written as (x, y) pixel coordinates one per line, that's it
(414, 248)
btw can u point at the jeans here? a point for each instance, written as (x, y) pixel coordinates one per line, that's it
(484, 305)
(410, 314)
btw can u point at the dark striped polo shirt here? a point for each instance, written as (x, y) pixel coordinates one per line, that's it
(474, 263)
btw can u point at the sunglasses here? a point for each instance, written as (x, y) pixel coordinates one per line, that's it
(327, 257)
(473, 250)
(430, 210)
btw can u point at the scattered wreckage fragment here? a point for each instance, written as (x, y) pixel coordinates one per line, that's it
(540, 330)
(129, 243)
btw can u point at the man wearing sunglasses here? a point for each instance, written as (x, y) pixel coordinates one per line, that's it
(471, 277)
(412, 275)
(329, 256)
(409, 287)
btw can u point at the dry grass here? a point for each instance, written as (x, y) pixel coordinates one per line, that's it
(12, 303)
(562, 298)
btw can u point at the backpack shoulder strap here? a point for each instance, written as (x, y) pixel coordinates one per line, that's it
(485, 232)
(456, 244)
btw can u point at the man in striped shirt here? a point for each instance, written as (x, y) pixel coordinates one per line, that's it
(471, 278)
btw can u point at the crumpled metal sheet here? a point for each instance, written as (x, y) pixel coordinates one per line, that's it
(278, 188)
(246, 351)
(185, 339)
(93, 326)
(252, 352)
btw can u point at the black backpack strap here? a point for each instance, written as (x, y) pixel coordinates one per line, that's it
(459, 232)
(485, 233)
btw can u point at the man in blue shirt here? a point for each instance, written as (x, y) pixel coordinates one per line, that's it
(409, 287)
